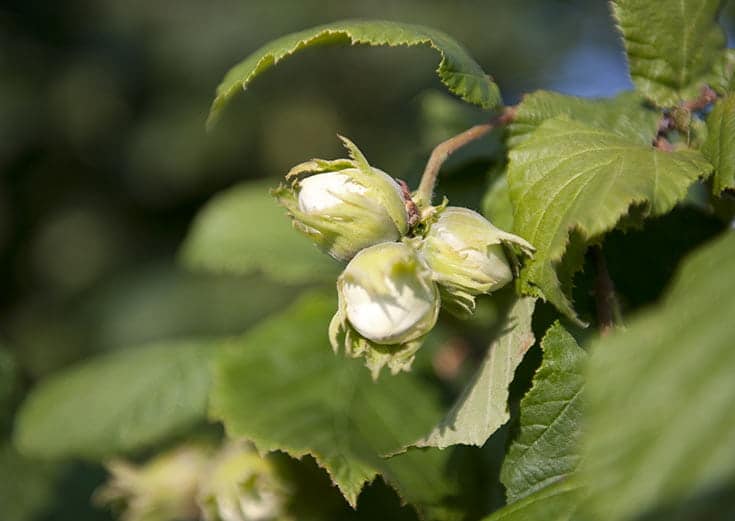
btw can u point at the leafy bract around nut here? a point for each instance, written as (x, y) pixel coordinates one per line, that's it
(466, 256)
(387, 304)
(344, 205)
(163, 489)
(242, 486)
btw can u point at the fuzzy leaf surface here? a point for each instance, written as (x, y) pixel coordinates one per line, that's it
(569, 176)
(545, 449)
(282, 387)
(719, 147)
(625, 115)
(117, 403)
(483, 406)
(673, 48)
(457, 69)
(243, 230)
(665, 387)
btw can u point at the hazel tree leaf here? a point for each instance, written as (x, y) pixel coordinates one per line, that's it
(556, 502)
(625, 115)
(673, 48)
(724, 74)
(659, 423)
(243, 230)
(283, 388)
(117, 403)
(483, 406)
(457, 70)
(545, 449)
(571, 177)
(719, 147)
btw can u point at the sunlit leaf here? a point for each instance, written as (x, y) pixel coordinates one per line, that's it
(545, 449)
(673, 48)
(569, 176)
(719, 146)
(625, 114)
(483, 406)
(457, 70)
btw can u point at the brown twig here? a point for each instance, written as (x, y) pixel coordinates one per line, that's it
(608, 310)
(706, 96)
(414, 216)
(671, 119)
(663, 144)
(445, 149)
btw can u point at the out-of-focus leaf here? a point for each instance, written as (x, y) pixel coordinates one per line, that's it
(8, 383)
(483, 406)
(118, 402)
(659, 426)
(244, 230)
(569, 176)
(282, 387)
(160, 302)
(625, 115)
(719, 147)
(457, 70)
(545, 449)
(557, 502)
(441, 116)
(496, 204)
(673, 48)
(26, 485)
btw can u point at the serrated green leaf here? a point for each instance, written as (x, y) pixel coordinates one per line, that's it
(659, 423)
(723, 79)
(557, 502)
(116, 403)
(483, 406)
(625, 115)
(244, 230)
(719, 147)
(282, 387)
(457, 70)
(545, 449)
(569, 176)
(673, 48)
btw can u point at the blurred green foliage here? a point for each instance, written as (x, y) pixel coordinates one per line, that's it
(104, 162)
